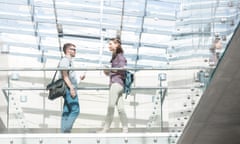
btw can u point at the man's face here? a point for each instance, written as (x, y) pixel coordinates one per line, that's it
(72, 51)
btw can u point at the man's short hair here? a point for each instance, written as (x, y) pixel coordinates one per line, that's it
(67, 45)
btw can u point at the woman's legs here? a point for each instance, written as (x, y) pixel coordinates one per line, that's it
(122, 113)
(115, 98)
(112, 99)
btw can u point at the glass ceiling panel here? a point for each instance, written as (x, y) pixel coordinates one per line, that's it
(159, 8)
(44, 15)
(155, 39)
(71, 15)
(134, 8)
(81, 31)
(131, 23)
(189, 19)
(46, 29)
(15, 2)
(11, 9)
(157, 22)
(41, 3)
(129, 36)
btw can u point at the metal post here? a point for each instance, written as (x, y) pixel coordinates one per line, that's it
(8, 101)
(162, 77)
(134, 109)
(161, 111)
(101, 33)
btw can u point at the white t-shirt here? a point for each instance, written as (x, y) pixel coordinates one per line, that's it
(68, 63)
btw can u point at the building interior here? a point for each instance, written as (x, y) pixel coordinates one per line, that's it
(178, 51)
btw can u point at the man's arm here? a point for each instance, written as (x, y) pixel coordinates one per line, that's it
(68, 82)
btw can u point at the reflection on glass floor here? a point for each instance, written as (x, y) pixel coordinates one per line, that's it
(110, 138)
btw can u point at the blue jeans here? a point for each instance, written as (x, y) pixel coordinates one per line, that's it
(70, 112)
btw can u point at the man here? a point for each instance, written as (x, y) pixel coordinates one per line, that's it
(71, 105)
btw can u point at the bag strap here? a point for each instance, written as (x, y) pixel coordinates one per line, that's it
(57, 70)
(55, 73)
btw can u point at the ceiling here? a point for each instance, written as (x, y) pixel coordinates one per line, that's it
(154, 33)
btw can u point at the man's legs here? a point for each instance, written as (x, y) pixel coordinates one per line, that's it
(70, 112)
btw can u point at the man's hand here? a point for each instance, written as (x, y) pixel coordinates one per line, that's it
(82, 77)
(72, 92)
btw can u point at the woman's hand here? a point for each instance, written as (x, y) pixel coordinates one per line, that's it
(106, 71)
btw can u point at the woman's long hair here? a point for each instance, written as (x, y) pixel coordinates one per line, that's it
(119, 48)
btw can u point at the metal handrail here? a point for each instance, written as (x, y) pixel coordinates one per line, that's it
(86, 135)
(101, 68)
(96, 88)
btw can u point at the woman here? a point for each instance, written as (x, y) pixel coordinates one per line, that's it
(116, 86)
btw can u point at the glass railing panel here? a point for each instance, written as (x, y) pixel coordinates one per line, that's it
(3, 98)
(158, 96)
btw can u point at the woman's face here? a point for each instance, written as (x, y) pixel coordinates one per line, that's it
(112, 46)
